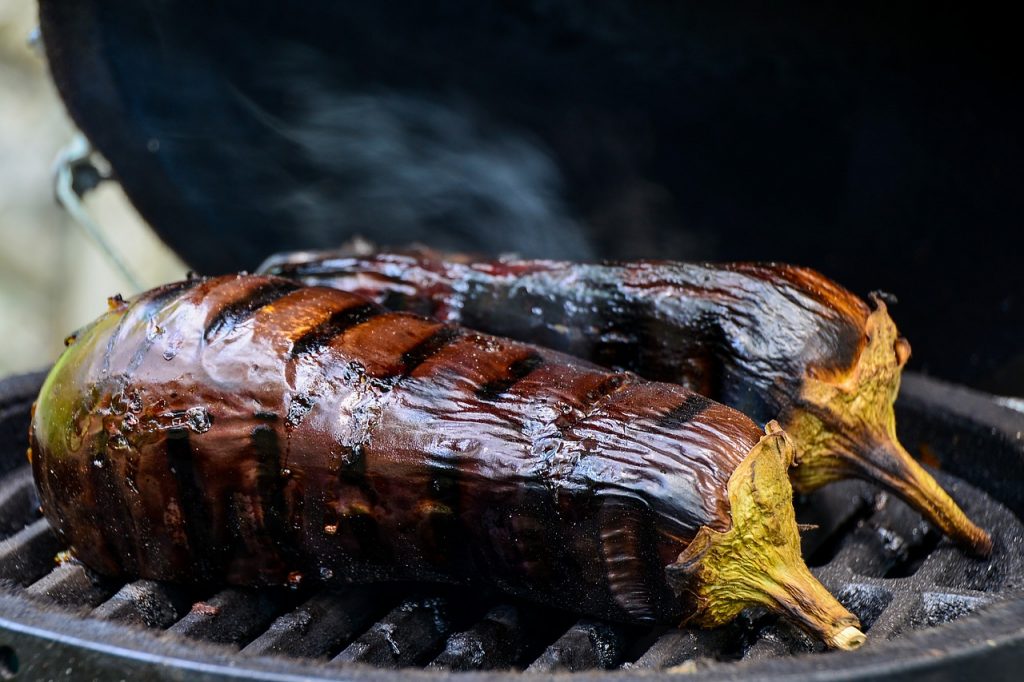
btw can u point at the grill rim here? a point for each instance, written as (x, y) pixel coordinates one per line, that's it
(990, 641)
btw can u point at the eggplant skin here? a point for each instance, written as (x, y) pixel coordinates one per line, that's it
(247, 430)
(745, 334)
(773, 341)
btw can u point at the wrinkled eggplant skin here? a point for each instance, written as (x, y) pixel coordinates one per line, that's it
(248, 430)
(744, 334)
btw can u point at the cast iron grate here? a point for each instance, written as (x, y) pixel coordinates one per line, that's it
(875, 554)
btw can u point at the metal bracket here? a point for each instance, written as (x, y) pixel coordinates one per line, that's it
(77, 171)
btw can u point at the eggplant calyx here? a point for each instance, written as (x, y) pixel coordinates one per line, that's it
(844, 425)
(757, 562)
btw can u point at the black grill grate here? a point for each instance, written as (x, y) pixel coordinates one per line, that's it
(875, 554)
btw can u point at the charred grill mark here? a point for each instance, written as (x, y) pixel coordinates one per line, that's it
(366, 532)
(354, 521)
(428, 347)
(194, 515)
(652, 568)
(357, 521)
(397, 300)
(269, 486)
(163, 295)
(154, 304)
(685, 412)
(442, 528)
(550, 564)
(517, 371)
(236, 312)
(320, 335)
(358, 497)
(116, 528)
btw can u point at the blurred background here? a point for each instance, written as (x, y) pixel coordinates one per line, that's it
(53, 279)
(877, 143)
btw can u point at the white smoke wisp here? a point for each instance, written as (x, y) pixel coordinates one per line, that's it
(400, 168)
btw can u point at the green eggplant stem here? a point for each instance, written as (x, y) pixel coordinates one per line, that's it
(845, 425)
(757, 562)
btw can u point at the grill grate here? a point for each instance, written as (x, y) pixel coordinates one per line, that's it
(877, 556)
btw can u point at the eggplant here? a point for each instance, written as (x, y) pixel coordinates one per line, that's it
(247, 430)
(774, 341)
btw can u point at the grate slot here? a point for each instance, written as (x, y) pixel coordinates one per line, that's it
(951, 570)
(144, 602)
(831, 513)
(941, 607)
(19, 504)
(892, 542)
(499, 640)
(408, 635)
(676, 647)
(320, 626)
(871, 551)
(775, 639)
(28, 555)
(72, 585)
(587, 644)
(897, 524)
(914, 556)
(232, 616)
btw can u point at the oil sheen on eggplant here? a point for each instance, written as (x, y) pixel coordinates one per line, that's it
(250, 430)
(773, 341)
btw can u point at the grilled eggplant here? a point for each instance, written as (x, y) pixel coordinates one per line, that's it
(773, 341)
(249, 430)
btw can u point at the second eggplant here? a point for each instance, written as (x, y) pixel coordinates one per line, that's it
(774, 341)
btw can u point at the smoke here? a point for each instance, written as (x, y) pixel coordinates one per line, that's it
(401, 168)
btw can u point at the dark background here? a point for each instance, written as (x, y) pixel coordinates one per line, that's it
(879, 143)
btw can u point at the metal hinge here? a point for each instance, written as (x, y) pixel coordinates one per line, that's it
(78, 170)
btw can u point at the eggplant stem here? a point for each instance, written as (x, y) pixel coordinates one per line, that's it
(844, 425)
(757, 562)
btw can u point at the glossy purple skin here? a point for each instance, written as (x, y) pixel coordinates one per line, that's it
(744, 334)
(247, 430)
